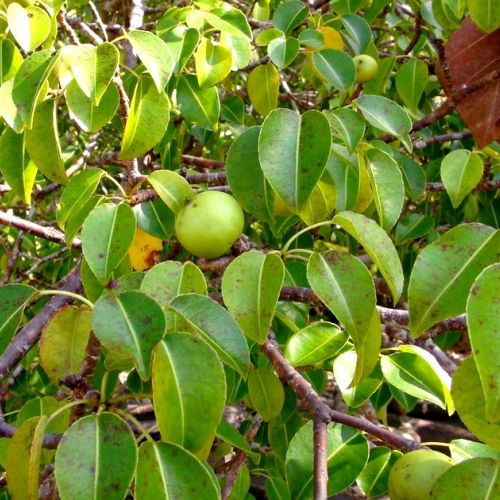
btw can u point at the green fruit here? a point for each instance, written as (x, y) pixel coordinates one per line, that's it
(413, 474)
(209, 224)
(366, 68)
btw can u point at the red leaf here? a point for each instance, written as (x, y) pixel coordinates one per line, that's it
(472, 56)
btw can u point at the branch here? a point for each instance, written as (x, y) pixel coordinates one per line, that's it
(28, 336)
(482, 186)
(416, 34)
(436, 139)
(320, 410)
(320, 440)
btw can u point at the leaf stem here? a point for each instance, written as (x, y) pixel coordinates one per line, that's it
(66, 293)
(302, 231)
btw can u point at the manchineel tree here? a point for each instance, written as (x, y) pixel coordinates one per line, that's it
(345, 289)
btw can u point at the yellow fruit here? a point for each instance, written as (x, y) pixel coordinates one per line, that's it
(145, 250)
(414, 474)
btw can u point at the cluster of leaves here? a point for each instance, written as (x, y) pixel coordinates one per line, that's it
(349, 208)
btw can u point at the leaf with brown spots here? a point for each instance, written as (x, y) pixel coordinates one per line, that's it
(472, 57)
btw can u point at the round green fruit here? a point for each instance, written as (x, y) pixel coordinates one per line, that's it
(209, 224)
(366, 68)
(413, 474)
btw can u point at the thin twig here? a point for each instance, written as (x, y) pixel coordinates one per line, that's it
(416, 34)
(320, 440)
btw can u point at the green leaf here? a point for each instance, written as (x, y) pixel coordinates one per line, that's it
(107, 234)
(384, 114)
(413, 176)
(79, 189)
(245, 176)
(335, 68)
(411, 80)
(485, 13)
(154, 54)
(468, 396)
(263, 88)
(87, 115)
(265, 391)
(15, 164)
(461, 171)
(358, 32)
(477, 477)
(30, 83)
(129, 325)
(289, 15)
(444, 272)
(463, 449)
(23, 459)
(30, 26)
(147, 121)
(13, 300)
(217, 327)
(213, 63)
(347, 454)
(251, 286)
(233, 110)
(75, 222)
(348, 125)
(10, 60)
(343, 169)
(282, 52)
(378, 246)
(42, 142)
(374, 479)
(64, 341)
(8, 110)
(240, 48)
(413, 226)
(277, 489)
(105, 462)
(312, 38)
(181, 43)
(483, 311)
(387, 186)
(321, 202)
(412, 373)
(47, 406)
(198, 106)
(227, 433)
(155, 218)
(378, 84)
(293, 150)
(172, 188)
(188, 408)
(93, 67)
(445, 13)
(166, 470)
(229, 20)
(314, 344)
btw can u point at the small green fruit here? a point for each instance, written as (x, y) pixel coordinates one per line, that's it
(413, 474)
(366, 68)
(209, 224)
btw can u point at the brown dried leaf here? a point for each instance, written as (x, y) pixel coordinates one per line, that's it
(471, 56)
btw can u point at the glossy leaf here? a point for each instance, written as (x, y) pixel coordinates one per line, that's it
(263, 88)
(10, 60)
(8, 110)
(277, 489)
(129, 324)
(199, 106)
(23, 459)
(282, 52)
(87, 115)
(250, 287)
(347, 454)
(378, 246)
(93, 68)
(16, 165)
(166, 470)
(289, 15)
(187, 408)
(213, 63)
(64, 341)
(265, 391)
(411, 80)
(461, 171)
(79, 189)
(147, 121)
(320, 204)
(154, 54)
(413, 226)
(374, 479)
(348, 125)
(335, 67)
(229, 20)
(42, 142)
(75, 222)
(105, 462)
(485, 13)
(358, 32)
(445, 270)
(384, 114)
(217, 327)
(293, 150)
(172, 188)
(463, 449)
(314, 344)
(30, 26)
(155, 218)
(483, 311)
(30, 83)
(107, 234)
(245, 176)
(387, 186)
(477, 477)
(227, 433)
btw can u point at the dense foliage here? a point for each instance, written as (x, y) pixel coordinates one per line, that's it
(293, 358)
